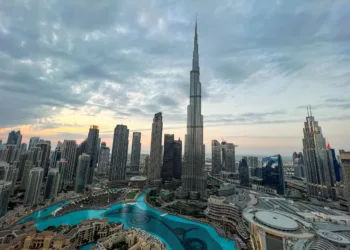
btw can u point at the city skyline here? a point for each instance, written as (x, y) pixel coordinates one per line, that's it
(255, 88)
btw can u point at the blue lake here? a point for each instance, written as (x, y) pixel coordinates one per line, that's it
(177, 233)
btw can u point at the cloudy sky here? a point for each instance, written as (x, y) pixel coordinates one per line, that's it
(68, 64)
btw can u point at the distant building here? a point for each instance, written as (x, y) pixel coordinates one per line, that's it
(32, 194)
(146, 165)
(5, 191)
(155, 164)
(92, 150)
(215, 157)
(135, 151)
(14, 138)
(103, 159)
(23, 148)
(228, 157)
(316, 159)
(117, 170)
(243, 172)
(273, 173)
(82, 173)
(298, 165)
(52, 183)
(55, 157)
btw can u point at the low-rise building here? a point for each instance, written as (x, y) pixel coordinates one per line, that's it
(134, 238)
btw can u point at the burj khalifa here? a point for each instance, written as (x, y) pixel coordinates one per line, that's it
(194, 177)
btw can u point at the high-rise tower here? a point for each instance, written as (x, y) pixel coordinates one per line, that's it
(154, 171)
(117, 170)
(135, 151)
(92, 148)
(193, 175)
(318, 171)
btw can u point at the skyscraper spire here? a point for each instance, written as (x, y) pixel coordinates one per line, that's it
(195, 60)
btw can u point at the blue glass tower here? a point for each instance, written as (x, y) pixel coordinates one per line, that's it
(273, 173)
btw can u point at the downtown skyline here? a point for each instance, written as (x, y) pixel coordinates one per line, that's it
(257, 81)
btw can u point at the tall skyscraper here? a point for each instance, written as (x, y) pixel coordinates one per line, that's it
(168, 158)
(177, 159)
(273, 173)
(33, 141)
(52, 182)
(117, 170)
(21, 165)
(345, 165)
(193, 174)
(298, 164)
(35, 179)
(155, 165)
(318, 171)
(55, 157)
(336, 165)
(30, 163)
(243, 172)
(92, 150)
(14, 138)
(62, 167)
(135, 151)
(69, 153)
(5, 191)
(82, 173)
(215, 157)
(228, 157)
(146, 165)
(44, 155)
(4, 170)
(103, 159)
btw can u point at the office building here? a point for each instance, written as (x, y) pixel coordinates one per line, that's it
(33, 141)
(243, 172)
(92, 150)
(21, 164)
(33, 189)
(5, 191)
(135, 151)
(52, 183)
(273, 173)
(215, 157)
(177, 159)
(82, 173)
(155, 164)
(193, 175)
(117, 170)
(69, 153)
(318, 170)
(146, 165)
(4, 170)
(103, 159)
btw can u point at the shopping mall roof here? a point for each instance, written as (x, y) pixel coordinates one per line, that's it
(276, 220)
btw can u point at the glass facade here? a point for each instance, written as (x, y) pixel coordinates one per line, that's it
(273, 174)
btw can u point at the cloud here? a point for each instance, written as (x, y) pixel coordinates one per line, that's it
(113, 60)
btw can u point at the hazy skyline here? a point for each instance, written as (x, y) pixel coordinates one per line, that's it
(67, 65)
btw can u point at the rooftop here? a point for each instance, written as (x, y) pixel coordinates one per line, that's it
(276, 220)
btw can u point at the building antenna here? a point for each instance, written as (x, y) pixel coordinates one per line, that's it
(307, 108)
(310, 111)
